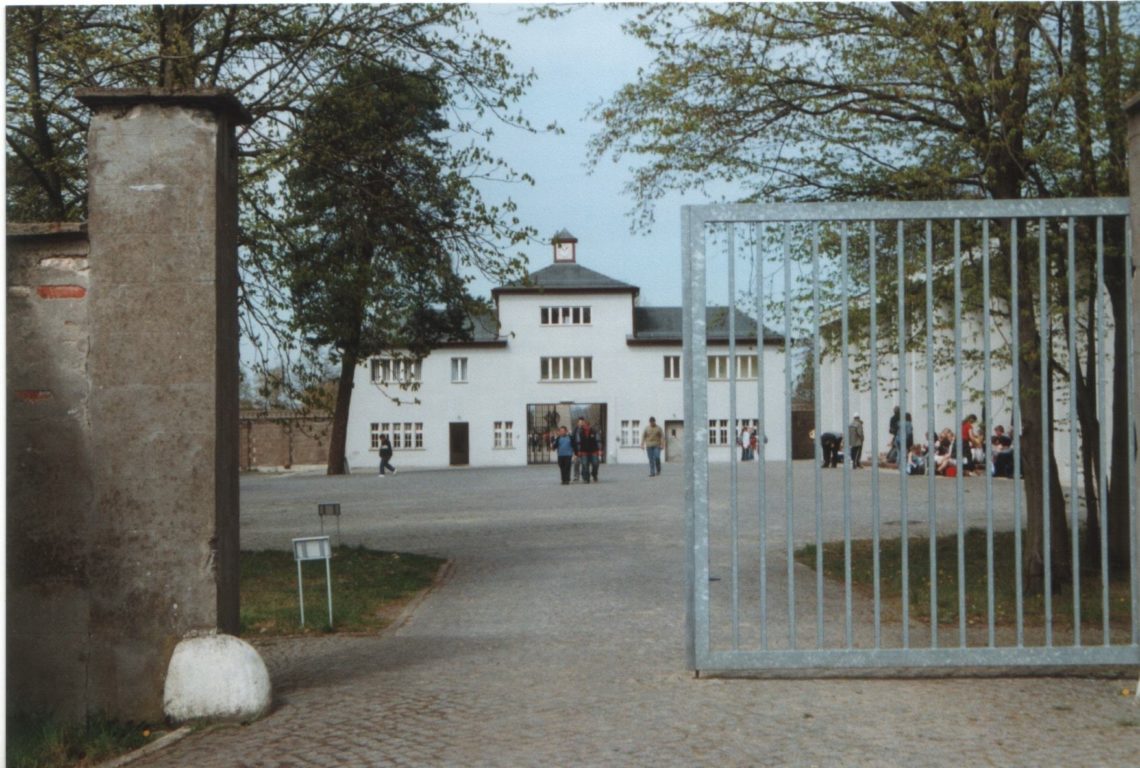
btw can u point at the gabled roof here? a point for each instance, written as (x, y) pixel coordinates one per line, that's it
(566, 278)
(664, 324)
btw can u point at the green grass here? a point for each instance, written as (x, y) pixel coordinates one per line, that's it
(1005, 591)
(41, 742)
(369, 588)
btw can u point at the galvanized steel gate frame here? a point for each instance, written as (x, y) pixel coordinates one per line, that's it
(698, 223)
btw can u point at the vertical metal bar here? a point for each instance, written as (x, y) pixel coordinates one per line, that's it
(1099, 285)
(987, 402)
(733, 466)
(1046, 444)
(1130, 424)
(960, 501)
(734, 505)
(328, 585)
(1074, 488)
(847, 465)
(788, 475)
(931, 433)
(761, 437)
(904, 535)
(873, 294)
(818, 439)
(1015, 428)
(693, 355)
(301, 592)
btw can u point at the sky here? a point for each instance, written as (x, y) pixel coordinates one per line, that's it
(580, 59)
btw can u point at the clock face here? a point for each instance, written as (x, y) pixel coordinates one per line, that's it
(563, 251)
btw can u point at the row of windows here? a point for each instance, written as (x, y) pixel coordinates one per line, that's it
(566, 368)
(409, 435)
(392, 371)
(720, 434)
(565, 315)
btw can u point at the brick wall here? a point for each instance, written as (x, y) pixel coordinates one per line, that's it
(282, 439)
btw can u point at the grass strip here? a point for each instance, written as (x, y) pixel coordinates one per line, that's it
(976, 569)
(369, 590)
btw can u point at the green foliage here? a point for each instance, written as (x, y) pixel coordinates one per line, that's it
(42, 742)
(277, 60)
(369, 587)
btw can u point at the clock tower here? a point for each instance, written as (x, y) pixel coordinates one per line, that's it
(565, 247)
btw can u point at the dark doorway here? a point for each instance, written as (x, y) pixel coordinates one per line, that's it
(460, 453)
(803, 422)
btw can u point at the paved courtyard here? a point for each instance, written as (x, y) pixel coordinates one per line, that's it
(557, 639)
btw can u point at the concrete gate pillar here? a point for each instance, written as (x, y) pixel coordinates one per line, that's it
(164, 384)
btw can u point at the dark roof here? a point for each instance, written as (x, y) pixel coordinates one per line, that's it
(483, 327)
(664, 324)
(566, 278)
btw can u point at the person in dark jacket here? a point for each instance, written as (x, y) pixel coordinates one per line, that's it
(386, 455)
(588, 450)
(831, 442)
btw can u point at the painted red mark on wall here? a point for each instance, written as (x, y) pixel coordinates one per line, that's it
(61, 291)
(33, 395)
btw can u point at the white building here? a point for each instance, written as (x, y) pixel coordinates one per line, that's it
(569, 342)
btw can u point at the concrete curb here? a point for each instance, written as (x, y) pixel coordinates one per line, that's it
(160, 743)
(442, 576)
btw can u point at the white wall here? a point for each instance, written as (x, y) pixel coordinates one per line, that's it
(503, 381)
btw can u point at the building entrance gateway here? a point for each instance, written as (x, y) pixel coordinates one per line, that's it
(544, 419)
(759, 534)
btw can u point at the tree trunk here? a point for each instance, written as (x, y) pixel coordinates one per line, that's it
(339, 437)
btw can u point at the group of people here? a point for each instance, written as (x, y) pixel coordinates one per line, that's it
(940, 454)
(579, 451)
(749, 442)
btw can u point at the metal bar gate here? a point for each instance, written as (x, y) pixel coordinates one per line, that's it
(947, 310)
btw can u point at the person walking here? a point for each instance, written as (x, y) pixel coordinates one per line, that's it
(652, 440)
(386, 455)
(855, 441)
(893, 455)
(563, 446)
(586, 447)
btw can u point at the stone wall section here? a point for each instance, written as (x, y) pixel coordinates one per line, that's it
(123, 412)
(49, 467)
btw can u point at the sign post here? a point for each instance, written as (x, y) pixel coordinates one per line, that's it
(327, 508)
(313, 548)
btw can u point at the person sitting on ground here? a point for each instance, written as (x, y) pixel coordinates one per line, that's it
(1002, 451)
(916, 463)
(944, 457)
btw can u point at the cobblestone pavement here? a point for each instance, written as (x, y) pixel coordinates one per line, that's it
(558, 640)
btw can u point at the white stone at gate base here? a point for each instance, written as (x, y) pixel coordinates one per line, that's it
(216, 677)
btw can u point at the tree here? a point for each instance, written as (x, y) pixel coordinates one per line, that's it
(899, 101)
(383, 218)
(276, 59)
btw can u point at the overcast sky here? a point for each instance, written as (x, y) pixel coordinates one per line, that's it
(580, 59)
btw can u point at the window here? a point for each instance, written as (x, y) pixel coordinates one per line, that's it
(564, 315)
(405, 435)
(631, 433)
(718, 432)
(504, 434)
(746, 366)
(672, 367)
(375, 441)
(566, 368)
(458, 370)
(387, 370)
(718, 367)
